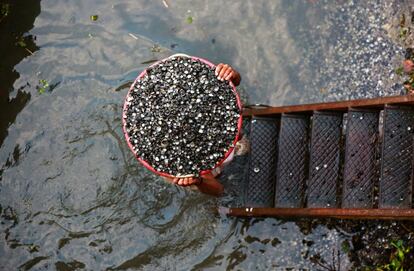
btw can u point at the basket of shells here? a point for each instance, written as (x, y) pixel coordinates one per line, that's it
(179, 120)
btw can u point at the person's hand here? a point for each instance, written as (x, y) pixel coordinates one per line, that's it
(226, 72)
(187, 181)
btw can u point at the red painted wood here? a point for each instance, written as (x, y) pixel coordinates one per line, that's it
(391, 214)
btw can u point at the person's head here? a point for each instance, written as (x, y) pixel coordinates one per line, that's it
(242, 146)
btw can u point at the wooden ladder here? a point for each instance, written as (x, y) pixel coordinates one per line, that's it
(351, 159)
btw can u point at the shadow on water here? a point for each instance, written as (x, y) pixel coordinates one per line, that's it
(20, 19)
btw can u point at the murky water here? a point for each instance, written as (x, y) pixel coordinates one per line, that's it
(71, 194)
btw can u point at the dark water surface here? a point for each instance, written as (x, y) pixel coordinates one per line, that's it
(71, 194)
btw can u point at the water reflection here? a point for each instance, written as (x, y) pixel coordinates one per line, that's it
(15, 46)
(71, 193)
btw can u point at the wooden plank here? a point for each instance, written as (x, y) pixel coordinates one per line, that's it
(338, 106)
(383, 214)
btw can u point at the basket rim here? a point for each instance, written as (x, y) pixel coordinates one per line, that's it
(144, 162)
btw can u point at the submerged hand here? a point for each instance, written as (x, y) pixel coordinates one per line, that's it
(209, 185)
(186, 181)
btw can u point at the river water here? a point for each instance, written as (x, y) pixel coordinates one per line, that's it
(72, 195)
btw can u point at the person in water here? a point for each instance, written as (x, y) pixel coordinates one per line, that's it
(208, 183)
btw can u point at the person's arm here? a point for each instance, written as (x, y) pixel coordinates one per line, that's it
(210, 185)
(226, 72)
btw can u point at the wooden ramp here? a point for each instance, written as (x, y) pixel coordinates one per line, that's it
(351, 159)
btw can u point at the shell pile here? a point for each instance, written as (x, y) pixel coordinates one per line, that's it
(180, 118)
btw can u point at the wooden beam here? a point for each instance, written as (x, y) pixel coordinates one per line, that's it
(382, 214)
(338, 106)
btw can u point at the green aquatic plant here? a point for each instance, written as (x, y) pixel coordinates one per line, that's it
(94, 18)
(22, 43)
(43, 86)
(397, 258)
(404, 29)
(345, 246)
(155, 48)
(404, 32)
(399, 71)
(4, 10)
(189, 19)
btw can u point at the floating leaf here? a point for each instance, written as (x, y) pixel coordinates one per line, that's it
(44, 84)
(345, 246)
(399, 71)
(5, 9)
(149, 61)
(94, 18)
(189, 20)
(404, 32)
(155, 48)
(33, 248)
(21, 42)
(401, 254)
(397, 258)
